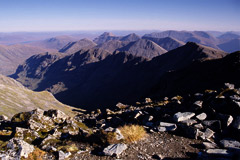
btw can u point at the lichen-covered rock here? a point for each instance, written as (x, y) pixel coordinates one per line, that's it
(18, 148)
(26, 134)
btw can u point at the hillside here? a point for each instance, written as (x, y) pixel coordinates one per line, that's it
(13, 55)
(15, 98)
(112, 45)
(73, 47)
(231, 45)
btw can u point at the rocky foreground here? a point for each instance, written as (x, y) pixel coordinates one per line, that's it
(200, 126)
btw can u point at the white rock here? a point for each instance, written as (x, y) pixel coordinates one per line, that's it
(164, 127)
(201, 116)
(182, 116)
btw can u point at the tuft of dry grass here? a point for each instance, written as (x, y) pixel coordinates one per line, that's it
(132, 133)
(37, 154)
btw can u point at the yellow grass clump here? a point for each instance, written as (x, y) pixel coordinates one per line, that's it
(132, 133)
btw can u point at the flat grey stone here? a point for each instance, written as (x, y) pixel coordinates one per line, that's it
(189, 122)
(209, 145)
(114, 149)
(165, 127)
(219, 152)
(230, 143)
(182, 116)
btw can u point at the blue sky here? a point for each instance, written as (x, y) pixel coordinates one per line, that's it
(62, 15)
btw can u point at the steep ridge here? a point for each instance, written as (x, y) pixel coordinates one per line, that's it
(15, 98)
(55, 43)
(73, 47)
(187, 36)
(13, 55)
(131, 37)
(144, 48)
(106, 36)
(96, 78)
(231, 45)
(167, 43)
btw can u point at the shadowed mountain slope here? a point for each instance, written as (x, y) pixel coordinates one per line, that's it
(13, 55)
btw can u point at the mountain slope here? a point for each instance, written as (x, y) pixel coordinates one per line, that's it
(231, 46)
(13, 55)
(96, 78)
(73, 47)
(15, 98)
(55, 43)
(112, 45)
(144, 48)
(186, 36)
(167, 43)
(227, 37)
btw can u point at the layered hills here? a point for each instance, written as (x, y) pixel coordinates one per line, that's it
(73, 47)
(97, 78)
(15, 98)
(186, 36)
(55, 43)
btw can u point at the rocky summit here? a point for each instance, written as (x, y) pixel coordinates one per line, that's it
(197, 126)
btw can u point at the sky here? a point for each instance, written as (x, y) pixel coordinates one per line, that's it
(68, 15)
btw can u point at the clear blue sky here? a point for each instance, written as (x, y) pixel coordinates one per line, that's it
(59, 15)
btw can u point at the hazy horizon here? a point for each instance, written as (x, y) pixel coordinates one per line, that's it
(107, 15)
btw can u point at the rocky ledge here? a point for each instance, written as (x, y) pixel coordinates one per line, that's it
(200, 126)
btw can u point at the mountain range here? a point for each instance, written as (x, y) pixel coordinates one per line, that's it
(98, 78)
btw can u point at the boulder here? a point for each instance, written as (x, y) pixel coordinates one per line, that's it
(182, 116)
(114, 149)
(18, 148)
(121, 106)
(213, 124)
(207, 134)
(165, 127)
